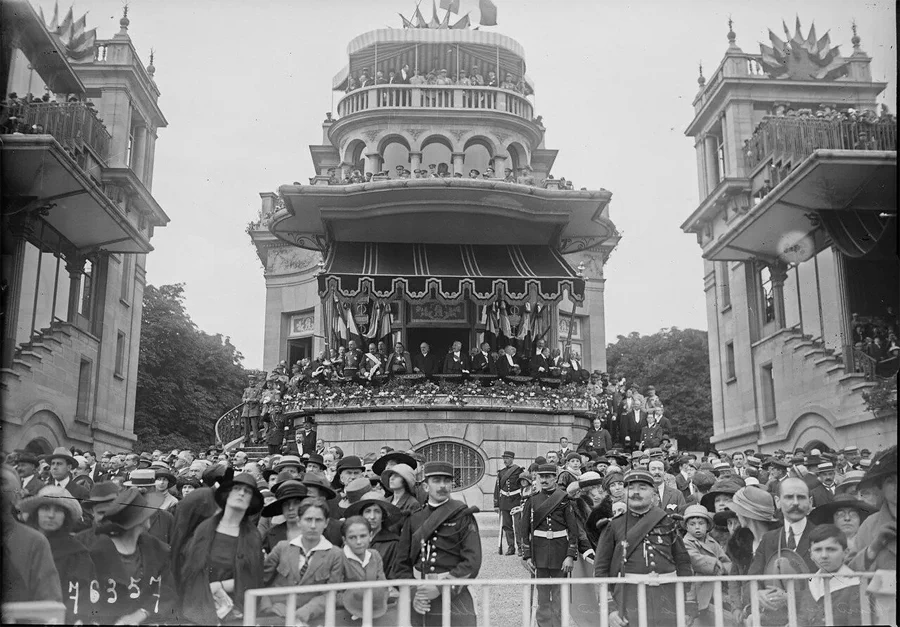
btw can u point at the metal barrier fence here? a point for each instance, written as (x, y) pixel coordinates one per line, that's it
(877, 592)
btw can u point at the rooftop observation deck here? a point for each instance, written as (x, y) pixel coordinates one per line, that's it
(455, 98)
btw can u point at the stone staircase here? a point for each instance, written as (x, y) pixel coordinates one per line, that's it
(30, 357)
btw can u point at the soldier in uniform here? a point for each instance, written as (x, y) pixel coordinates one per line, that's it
(643, 541)
(440, 541)
(507, 496)
(550, 542)
(352, 360)
(250, 411)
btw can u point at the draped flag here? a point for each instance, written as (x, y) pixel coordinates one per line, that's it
(435, 22)
(505, 327)
(445, 23)
(450, 5)
(419, 19)
(54, 23)
(406, 22)
(387, 321)
(67, 22)
(488, 13)
(462, 23)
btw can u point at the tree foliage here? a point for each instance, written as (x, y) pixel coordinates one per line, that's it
(186, 378)
(676, 363)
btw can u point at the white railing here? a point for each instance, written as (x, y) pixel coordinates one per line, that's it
(34, 613)
(877, 592)
(435, 97)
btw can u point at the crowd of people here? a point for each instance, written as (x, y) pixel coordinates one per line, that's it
(16, 115)
(876, 336)
(438, 77)
(524, 176)
(156, 537)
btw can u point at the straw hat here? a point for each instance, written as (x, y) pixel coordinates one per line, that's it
(406, 473)
(52, 495)
(753, 503)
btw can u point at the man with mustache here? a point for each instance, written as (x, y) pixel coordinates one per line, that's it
(645, 540)
(440, 541)
(793, 500)
(549, 542)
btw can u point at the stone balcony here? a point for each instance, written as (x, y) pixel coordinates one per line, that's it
(431, 97)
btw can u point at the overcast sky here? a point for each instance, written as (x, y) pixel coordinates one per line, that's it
(245, 86)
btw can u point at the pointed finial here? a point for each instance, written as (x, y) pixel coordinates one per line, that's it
(855, 40)
(151, 69)
(731, 36)
(701, 80)
(124, 22)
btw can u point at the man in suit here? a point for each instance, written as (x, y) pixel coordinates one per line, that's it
(540, 364)
(672, 501)
(564, 448)
(95, 471)
(405, 74)
(425, 362)
(399, 361)
(61, 465)
(739, 463)
(482, 362)
(26, 466)
(575, 372)
(507, 364)
(686, 470)
(793, 534)
(632, 423)
(456, 361)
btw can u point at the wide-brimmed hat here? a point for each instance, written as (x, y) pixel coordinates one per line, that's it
(698, 511)
(26, 457)
(380, 464)
(129, 509)
(290, 489)
(406, 473)
(316, 481)
(882, 466)
(289, 460)
(774, 461)
(243, 478)
(727, 486)
(753, 503)
(589, 479)
(390, 512)
(315, 458)
(141, 478)
(165, 473)
(851, 479)
(63, 453)
(52, 495)
(824, 514)
(357, 488)
(102, 492)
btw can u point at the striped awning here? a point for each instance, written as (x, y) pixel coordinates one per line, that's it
(448, 273)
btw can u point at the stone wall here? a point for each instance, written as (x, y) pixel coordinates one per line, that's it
(488, 433)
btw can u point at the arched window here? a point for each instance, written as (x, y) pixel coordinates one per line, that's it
(477, 156)
(394, 154)
(468, 465)
(437, 150)
(517, 156)
(355, 157)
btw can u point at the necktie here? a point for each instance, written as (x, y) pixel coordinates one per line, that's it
(305, 565)
(791, 541)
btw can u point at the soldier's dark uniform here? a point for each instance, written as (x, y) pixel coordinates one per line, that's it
(508, 496)
(658, 549)
(452, 551)
(548, 540)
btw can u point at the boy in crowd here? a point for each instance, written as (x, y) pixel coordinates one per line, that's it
(828, 549)
(707, 556)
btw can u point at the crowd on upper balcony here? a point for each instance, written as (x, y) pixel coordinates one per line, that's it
(525, 176)
(14, 112)
(437, 77)
(876, 336)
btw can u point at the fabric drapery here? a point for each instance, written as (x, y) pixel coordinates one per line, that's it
(858, 234)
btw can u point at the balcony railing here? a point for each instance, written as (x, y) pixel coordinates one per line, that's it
(786, 141)
(73, 124)
(435, 97)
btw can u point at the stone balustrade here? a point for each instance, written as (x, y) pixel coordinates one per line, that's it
(458, 97)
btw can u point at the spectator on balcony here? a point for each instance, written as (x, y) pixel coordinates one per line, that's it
(379, 78)
(443, 170)
(425, 362)
(404, 76)
(456, 361)
(509, 175)
(488, 173)
(364, 80)
(352, 84)
(464, 79)
(474, 174)
(443, 79)
(509, 83)
(477, 80)
(491, 80)
(525, 175)
(416, 78)
(507, 363)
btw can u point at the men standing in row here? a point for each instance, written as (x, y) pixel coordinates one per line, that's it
(550, 542)
(507, 496)
(645, 540)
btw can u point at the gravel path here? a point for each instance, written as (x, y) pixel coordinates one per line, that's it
(506, 601)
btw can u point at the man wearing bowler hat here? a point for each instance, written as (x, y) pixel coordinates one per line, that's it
(645, 540)
(508, 495)
(549, 542)
(26, 466)
(440, 541)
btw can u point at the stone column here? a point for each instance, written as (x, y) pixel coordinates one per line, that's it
(415, 161)
(373, 162)
(138, 152)
(840, 278)
(11, 316)
(75, 268)
(458, 162)
(779, 276)
(712, 159)
(499, 165)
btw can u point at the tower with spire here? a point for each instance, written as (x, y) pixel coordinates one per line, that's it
(797, 185)
(81, 121)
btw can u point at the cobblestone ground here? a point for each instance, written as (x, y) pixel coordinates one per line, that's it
(505, 602)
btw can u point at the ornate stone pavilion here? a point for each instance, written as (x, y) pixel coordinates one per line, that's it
(798, 227)
(78, 216)
(436, 259)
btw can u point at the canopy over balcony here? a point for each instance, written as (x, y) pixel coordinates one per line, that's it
(444, 211)
(447, 273)
(852, 194)
(450, 49)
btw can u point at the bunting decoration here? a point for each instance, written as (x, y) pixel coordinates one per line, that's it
(462, 23)
(77, 41)
(802, 58)
(451, 6)
(488, 16)
(435, 22)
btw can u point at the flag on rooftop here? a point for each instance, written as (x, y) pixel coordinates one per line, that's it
(463, 22)
(488, 13)
(450, 5)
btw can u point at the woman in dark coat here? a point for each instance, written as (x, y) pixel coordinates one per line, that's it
(224, 557)
(53, 512)
(381, 516)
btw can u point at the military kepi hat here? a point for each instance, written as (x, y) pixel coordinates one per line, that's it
(508, 454)
(638, 476)
(438, 469)
(547, 469)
